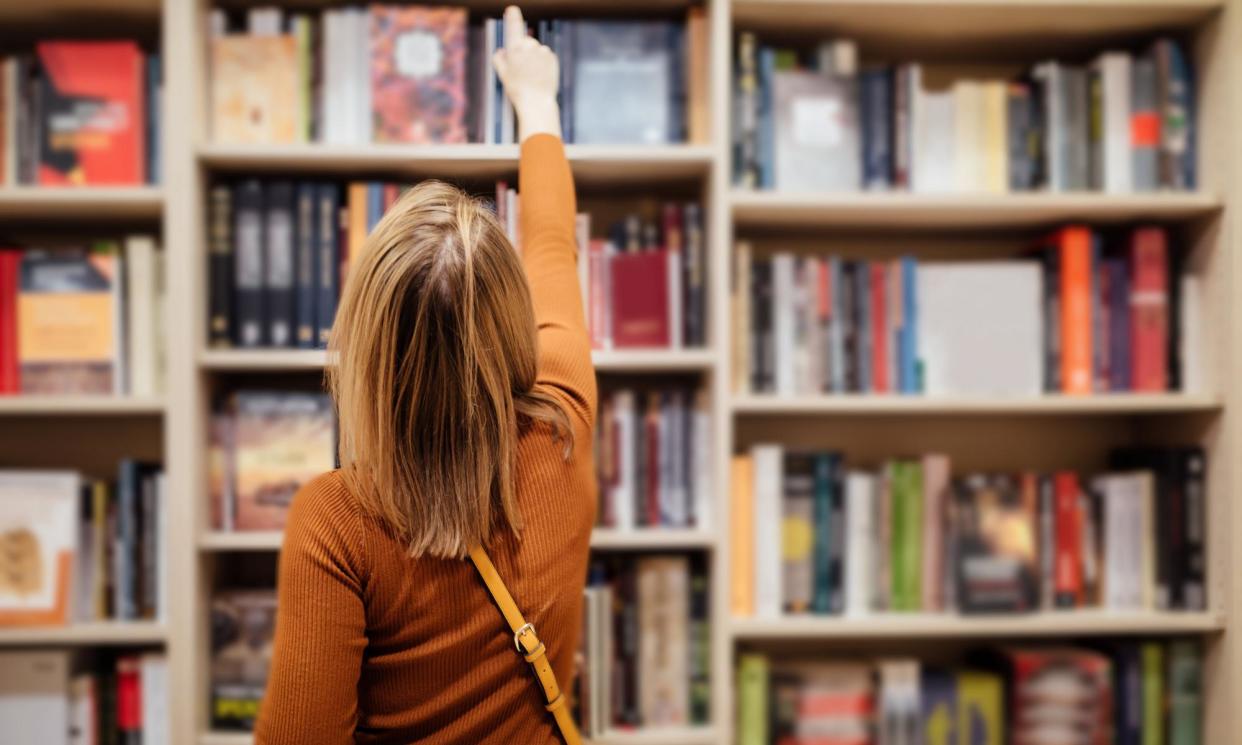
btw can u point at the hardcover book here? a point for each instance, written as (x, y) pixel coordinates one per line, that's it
(640, 299)
(418, 74)
(255, 89)
(624, 80)
(243, 624)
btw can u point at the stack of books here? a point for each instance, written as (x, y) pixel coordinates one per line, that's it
(1080, 314)
(423, 74)
(82, 320)
(1114, 692)
(80, 113)
(51, 697)
(653, 458)
(810, 536)
(645, 650)
(814, 120)
(83, 550)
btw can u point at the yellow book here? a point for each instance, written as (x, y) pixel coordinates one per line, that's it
(995, 138)
(980, 709)
(742, 537)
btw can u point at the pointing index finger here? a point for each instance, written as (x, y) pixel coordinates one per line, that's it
(515, 25)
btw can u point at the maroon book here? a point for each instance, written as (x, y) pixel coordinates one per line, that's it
(640, 299)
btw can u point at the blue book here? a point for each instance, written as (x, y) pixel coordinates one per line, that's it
(877, 130)
(375, 204)
(124, 555)
(1119, 324)
(765, 119)
(938, 692)
(1178, 127)
(328, 261)
(155, 95)
(909, 356)
(306, 329)
(824, 477)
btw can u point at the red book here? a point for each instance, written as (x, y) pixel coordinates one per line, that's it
(652, 424)
(1074, 243)
(392, 193)
(10, 268)
(1149, 310)
(1067, 519)
(639, 285)
(128, 698)
(92, 125)
(879, 328)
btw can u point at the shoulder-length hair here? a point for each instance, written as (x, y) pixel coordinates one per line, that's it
(435, 357)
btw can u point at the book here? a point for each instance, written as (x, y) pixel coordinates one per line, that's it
(626, 75)
(799, 536)
(69, 313)
(1059, 692)
(92, 113)
(38, 529)
(980, 707)
(255, 84)
(1073, 245)
(663, 644)
(142, 290)
(279, 442)
(279, 264)
(768, 463)
(34, 695)
(1185, 692)
(753, 685)
(418, 74)
(10, 284)
(243, 625)
(1149, 309)
(939, 707)
(249, 273)
(638, 290)
(816, 132)
(860, 509)
(742, 537)
(995, 545)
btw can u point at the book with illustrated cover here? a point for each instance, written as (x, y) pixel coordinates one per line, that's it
(1059, 695)
(255, 89)
(995, 532)
(69, 319)
(418, 74)
(92, 113)
(280, 442)
(38, 546)
(625, 77)
(243, 624)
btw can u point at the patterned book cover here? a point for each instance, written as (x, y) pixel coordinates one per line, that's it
(418, 74)
(256, 87)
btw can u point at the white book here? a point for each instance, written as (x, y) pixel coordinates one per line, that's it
(34, 697)
(623, 492)
(83, 710)
(153, 672)
(1123, 515)
(768, 464)
(859, 546)
(362, 49)
(980, 328)
(968, 132)
(664, 639)
(701, 458)
(836, 327)
(665, 457)
(141, 313)
(1114, 71)
(160, 326)
(1192, 347)
(783, 322)
(933, 117)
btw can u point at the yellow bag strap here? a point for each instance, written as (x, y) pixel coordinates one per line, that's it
(528, 645)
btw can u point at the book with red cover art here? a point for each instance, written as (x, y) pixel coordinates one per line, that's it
(1059, 695)
(10, 271)
(129, 699)
(1149, 310)
(639, 283)
(1067, 521)
(93, 113)
(418, 74)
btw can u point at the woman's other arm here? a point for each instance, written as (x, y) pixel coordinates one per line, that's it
(530, 73)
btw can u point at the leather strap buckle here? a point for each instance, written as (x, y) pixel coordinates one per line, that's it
(517, 635)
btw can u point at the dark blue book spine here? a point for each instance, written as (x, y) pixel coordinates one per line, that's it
(821, 597)
(251, 326)
(910, 382)
(836, 547)
(329, 259)
(155, 95)
(1182, 104)
(375, 204)
(766, 119)
(862, 300)
(307, 266)
(125, 597)
(1119, 322)
(1128, 684)
(677, 82)
(877, 92)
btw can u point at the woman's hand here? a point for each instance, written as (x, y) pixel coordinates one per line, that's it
(531, 75)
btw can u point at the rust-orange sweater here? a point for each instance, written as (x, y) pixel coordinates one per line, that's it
(373, 646)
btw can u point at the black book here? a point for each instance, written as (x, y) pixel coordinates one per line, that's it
(328, 262)
(307, 266)
(763, 351)
(220, 331)
(249, 324)
(700, 642)
(281, 264)
(695, 268)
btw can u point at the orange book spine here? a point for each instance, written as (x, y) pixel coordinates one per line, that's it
(357, 204)
(742, 536)
(1075, 246)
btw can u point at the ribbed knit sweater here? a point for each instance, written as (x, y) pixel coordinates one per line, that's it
(373, 646)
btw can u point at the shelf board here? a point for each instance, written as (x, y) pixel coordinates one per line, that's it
(93, 202)
(653, 736)
(590, 163)
(1051, 404)
(969, 29)
(104, 633)
(74, 406)
(889, 210)
(607, 539)
(613, 360)
(601, 539)
(922, 625)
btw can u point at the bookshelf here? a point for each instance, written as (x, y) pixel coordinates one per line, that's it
(1049, 427)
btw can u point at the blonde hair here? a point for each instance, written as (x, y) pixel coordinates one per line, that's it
(435, 350)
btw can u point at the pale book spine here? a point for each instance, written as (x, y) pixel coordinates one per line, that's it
(935, 490)
(783, 322)
(140, 278)
(623, 492)
(701, 459)
(329, 78)
(582, 228)
(995, 137)
(1147, 539)
(859, 516)
(663, 641)
(675, 324)
(768, 461)
(362, 42)
(742, 537)
(1191, 338)
(1115, 76)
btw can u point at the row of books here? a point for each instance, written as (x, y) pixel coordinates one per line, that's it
(817, 122)
(653, 458)
(263, 446)
(83, 320)
(279, 252)
(1079, 315)
(82, 550)
(810, 536)
(645, 652)
(423, 74)
(1127, 693)
(50, 697)
(80, 113)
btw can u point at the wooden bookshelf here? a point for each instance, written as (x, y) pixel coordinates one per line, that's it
(618, 360)
(602, 539)
(104, 634)
(654, 736)
(81, 203)
(1048, 405)
(78, 406)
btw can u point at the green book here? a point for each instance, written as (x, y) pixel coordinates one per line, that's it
(1185, 693)
(753, 680)
(907, 533)
(1153, 693)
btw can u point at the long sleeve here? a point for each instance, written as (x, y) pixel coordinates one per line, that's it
(320, 625)
(549, 252)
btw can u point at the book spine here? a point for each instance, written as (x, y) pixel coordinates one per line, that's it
(877, 104)
(149, 547)
(308, 274)
(1179, 134)
(1193, 556)
(1018, 120)
(879, 327)
(1100, 325)
(1153, 693)
(251, 327)
(328, 261)
(902, 121)
(768, 490)
(1149, 309)
(742, 537)
(746, 145)
(281, 264)
(782, 301)
(1047, 528)
(221, 272)
(798, 532)
(1145, 123)
(1077, 141)
(1075, 311)
(695, 304)
(1068, 586)
(823, 532)
(837, 539)
(125, 596)
(859, 512)
(753, 695)
(1118, 302)
(10, 269)
(1185, 692)
(700, 645)
(1095, 129)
